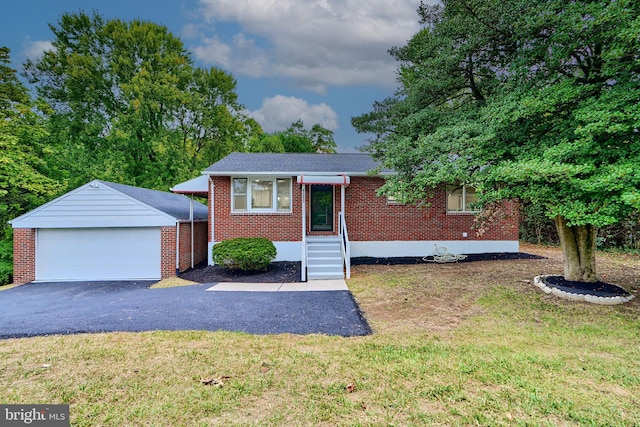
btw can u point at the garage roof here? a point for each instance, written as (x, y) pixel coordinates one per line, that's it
(107, 204)
(172, 204)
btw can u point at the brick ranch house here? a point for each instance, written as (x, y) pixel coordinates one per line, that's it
(323, 210)
(107, 231)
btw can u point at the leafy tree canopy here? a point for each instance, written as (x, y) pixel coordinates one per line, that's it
(296, 139)
(128, 105)
(23, 181)
(531, 100)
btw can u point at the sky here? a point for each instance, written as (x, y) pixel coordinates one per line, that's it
(322, 61)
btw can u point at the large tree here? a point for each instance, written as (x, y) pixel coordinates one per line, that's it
(23, 181)
(295, 139)
(128, 104)
(530, 99)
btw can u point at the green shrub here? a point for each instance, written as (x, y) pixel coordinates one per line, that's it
(250, 253)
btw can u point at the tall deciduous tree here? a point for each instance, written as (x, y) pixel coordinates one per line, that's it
(534, 100)
(23, 183)
(129, 105)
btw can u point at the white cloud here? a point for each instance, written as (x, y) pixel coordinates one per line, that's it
(315, 43)
(277, 113)
(34, 49)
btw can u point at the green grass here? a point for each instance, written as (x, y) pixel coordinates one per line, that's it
(516, 358)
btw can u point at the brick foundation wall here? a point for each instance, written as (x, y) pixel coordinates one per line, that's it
(24, 255)
(199, 244)
(369, 217)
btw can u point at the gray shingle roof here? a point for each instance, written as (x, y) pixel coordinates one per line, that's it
(294, 163)
(175, 205)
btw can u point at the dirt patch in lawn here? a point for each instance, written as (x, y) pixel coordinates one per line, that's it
(437, 297)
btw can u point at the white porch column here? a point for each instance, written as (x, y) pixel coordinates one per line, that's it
(342, 201)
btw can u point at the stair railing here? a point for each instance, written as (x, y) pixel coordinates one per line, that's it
(345, 245)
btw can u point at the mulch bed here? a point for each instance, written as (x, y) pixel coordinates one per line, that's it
(599, 289)
(278, 272)
(289, 272)
(497, 256)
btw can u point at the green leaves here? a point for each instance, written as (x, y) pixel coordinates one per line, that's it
(23, 181)
(245, 253)
(296, 139)
(126, 99)
(535, 100)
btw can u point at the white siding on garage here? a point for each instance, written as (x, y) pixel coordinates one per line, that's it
(94, 205)
(98, 254)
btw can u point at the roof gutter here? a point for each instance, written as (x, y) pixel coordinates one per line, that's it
(292, 173)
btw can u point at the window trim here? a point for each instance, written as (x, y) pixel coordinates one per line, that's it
(464, 210)
(274, 196)
(393, 201)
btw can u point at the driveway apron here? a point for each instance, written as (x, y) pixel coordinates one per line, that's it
(88, 307)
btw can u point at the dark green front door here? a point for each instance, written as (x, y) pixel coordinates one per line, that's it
(321, 208)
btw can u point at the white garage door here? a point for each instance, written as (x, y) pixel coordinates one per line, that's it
(98, 254)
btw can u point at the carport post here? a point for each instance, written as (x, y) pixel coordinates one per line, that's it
(177, 247)
(303, 273)
(191, 217)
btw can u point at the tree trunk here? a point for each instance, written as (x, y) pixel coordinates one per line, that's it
(578, 250)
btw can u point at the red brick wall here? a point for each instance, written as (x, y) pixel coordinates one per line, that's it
(24, 255)
(199, 244)
(277, 227)
(369, 217)
(167, 252)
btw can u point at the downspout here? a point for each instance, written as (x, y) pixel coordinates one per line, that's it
(211, 216)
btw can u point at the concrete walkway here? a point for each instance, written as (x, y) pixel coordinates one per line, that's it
(311, 285)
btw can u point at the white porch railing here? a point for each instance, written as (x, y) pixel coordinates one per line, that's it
(345, 245)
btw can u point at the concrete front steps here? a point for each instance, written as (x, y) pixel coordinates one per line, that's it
(324, 258)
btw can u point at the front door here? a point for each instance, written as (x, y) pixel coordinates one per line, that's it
(321, 208)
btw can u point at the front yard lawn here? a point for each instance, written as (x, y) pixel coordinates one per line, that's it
(453, 344)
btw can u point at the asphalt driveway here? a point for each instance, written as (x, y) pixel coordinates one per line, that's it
(80, 307)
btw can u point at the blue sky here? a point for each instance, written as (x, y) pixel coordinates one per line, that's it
(322, 61)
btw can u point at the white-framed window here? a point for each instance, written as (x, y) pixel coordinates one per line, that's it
(260, 194)
(460, 198)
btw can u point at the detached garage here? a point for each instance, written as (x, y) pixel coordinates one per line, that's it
(107, 231)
